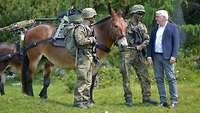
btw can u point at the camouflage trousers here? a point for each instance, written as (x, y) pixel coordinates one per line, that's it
(84, 80)
(135, 59)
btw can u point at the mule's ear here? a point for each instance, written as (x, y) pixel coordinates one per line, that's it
(126, 11)
(110, 10)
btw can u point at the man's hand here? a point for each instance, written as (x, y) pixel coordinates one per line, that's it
(172, 60)
(150, 61)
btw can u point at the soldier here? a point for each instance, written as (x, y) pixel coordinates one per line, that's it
(84, 39)
(133, 55)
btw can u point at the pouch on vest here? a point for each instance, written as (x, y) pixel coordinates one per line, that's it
(70, 42)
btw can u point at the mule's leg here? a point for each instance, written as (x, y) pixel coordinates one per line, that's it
(2, 85)
(3, 66)
(94, 80)
(26, 76)
(46, 81)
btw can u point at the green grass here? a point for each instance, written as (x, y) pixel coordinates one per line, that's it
(107, 99)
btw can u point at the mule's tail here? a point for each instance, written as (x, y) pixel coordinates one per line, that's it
(26, 77)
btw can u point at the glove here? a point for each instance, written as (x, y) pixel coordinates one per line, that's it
(92, 40)
(139, 47)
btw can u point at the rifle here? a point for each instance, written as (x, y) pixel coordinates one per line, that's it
(18, 25)
(46, 19)
(25, 23)
(64, 20)
(132, 47)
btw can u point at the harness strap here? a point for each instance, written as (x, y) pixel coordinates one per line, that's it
(6, 57)
(36, 43)
(103, 47)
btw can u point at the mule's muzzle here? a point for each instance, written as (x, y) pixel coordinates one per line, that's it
(119, 37)
(122, 42)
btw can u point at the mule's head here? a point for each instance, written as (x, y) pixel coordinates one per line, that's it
(118, 27)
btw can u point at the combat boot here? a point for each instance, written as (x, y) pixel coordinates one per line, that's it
(81, 105)
(149, 101)
(89, 103)
(129, 102)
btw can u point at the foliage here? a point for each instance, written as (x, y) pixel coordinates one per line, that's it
(149, 16)
(109, 76)
(12, 11)
(185, 68)
(193, 29)
(70, 81)
(192, 42)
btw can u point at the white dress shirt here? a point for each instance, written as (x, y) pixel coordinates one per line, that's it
(159, 36)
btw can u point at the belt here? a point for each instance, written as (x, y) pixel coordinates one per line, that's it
(158, 53)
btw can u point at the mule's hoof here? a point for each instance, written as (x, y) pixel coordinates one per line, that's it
(30, 94)
(43, 97)
(2, 94)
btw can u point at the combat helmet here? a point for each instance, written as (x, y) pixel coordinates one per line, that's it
(88, 13)
(137, 8)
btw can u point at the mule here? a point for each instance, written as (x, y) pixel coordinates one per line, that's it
(107, 31)
(8, 57)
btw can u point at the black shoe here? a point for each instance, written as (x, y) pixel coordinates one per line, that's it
(150, 101)
(164, 104)
(129, 102)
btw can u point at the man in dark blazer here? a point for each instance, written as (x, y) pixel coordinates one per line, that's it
(162, 53)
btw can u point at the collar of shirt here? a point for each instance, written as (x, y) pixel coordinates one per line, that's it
(164, 25)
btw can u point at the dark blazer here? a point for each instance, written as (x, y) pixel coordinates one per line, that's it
(170, 41)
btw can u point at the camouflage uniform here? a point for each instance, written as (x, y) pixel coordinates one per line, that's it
(138, 38)
(83, 36)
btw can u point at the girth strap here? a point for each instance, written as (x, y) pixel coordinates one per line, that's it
(103, 47)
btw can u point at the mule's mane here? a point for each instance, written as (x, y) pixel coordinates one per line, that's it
(103, 20)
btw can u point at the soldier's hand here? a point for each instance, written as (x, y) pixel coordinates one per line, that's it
(92, 39)
(139, 47)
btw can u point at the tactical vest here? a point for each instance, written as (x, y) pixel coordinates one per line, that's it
(70, 42)
(88, 33)
(134, 34)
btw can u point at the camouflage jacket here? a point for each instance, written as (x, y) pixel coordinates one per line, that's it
(82, 34)
(137, 34)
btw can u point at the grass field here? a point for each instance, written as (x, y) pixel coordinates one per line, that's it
(108, 100)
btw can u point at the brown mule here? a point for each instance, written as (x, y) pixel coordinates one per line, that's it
(10, 57)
